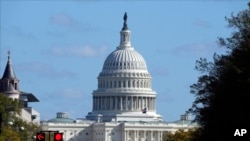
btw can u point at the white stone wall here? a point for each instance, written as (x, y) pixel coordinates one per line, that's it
(114, 131)
(27, 113)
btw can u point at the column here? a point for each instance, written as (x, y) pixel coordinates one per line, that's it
(126, 101)
(121, 103)
(97, 103)
(150, 102)
(110, 103)
(132, 103)
(143, 103)
(144, 135)
(154, 104)
(158, 136)
(134, 99)
(135, 135)
(137, 103)
(140, 103)
(101, 103)
(115, 98)
(93, 103)
(151, 135)
(127, 135)
(148, 105)
(108, 98)
(105, 103)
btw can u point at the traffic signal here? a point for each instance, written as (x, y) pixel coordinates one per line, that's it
(58, 136)
(40, 136)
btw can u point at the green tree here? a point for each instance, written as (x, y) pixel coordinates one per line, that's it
(222, 92)
(181, 135)
(13, 127)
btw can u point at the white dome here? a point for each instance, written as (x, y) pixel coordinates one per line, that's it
(124, 90)
(126, 59)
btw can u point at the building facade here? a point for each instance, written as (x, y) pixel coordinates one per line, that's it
(124, 104)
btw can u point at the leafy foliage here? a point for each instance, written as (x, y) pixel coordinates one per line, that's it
(181, 135)
(13, 127)
(223, 91)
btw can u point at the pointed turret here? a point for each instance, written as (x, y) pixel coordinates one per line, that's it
(9, 72)
(9, 84)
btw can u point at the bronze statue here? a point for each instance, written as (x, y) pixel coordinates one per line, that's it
(125, 27)
(125, 17)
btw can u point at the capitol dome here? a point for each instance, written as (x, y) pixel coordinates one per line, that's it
(124, 90)
(124, 59)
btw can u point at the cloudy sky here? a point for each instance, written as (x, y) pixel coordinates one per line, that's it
(58, 47)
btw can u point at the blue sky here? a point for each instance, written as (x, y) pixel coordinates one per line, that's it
(58, 47)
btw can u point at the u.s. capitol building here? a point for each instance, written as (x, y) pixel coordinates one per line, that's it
(124, 104)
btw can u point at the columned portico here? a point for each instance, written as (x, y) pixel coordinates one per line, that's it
(142, 135)
(123, 103)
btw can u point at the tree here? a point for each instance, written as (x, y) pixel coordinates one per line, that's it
(222, 92)
(13, 127)
(181, 135)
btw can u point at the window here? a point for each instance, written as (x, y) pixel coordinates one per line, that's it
(119, 84)
(124, 84)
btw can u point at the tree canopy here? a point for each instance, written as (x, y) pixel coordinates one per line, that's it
(181, 135)
(222, 92)
(12, 126)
